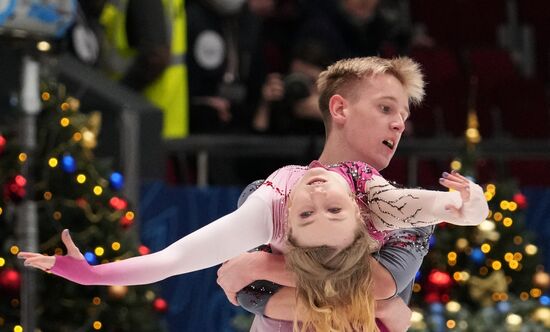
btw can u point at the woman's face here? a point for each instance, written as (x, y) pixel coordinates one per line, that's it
(322, 210)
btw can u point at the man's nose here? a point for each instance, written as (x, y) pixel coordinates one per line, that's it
(398, 125)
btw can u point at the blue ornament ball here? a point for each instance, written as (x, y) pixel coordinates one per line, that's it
(91, 258)
(68, 164)
(437, 308)
(503, 306)
(477, 256)
(116, 180)
(431, 241)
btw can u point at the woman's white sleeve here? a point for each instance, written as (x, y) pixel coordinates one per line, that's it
(246, 228)
(392, 207)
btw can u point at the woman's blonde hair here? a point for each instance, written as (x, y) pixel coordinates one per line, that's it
(333, 288)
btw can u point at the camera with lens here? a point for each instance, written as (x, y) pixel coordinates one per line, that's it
(297, 86)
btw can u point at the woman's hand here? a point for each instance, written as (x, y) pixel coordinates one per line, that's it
(45, 263)
(474, 208)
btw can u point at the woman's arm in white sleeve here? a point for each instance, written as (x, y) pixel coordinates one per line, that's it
(392, 207)
(247, 227)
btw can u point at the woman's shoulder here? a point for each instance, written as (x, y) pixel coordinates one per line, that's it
(354, 167)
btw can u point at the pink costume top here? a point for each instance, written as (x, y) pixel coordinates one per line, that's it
(261, 219)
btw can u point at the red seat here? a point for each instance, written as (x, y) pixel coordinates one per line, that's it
(460, 23)
(536, 13)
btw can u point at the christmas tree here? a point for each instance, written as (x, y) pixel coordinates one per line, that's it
(75, 190)
(484, 278)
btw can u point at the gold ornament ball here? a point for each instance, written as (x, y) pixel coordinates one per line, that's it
(542, 315)
(89, 139)
(118, 292)
(541, 279)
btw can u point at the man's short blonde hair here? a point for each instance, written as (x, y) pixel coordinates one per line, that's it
(342, 76)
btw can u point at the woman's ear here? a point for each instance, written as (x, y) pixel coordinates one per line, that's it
(338, 108)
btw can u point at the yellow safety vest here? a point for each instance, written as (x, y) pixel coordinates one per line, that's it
(170, 91)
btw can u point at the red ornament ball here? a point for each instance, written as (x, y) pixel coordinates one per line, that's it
(160, 305)
(2, 144)
(10, 280)
(440, 279)
(125, 222)
(143, 250)
(521, 200)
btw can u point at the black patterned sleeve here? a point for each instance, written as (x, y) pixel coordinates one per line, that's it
(254, 297)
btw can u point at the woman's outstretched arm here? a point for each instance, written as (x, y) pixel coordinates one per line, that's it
(392, 207)
(247, 227)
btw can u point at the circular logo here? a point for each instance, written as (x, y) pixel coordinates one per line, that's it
(209, 50)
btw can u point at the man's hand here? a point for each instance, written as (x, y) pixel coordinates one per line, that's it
(237, 273)
(394, 313)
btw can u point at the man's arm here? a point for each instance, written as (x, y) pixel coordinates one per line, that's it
(402, 254)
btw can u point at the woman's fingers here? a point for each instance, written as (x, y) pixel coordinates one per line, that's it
(26, 255)
(72, 249)
(43, 262)
(456, 181)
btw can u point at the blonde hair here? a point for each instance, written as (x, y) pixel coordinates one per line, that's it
(342, 76)
(334, 288)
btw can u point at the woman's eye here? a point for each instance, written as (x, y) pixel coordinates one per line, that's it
(306, 214)
(334, 210)
(385, 109)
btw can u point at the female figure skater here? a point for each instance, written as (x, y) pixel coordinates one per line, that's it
(327, 220)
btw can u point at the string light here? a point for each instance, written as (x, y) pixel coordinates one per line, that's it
(81, 178)
(64, 122)
(453, 306)
(47, 195)
(18, 328)
(96, 300)
(115, 246)
(496, 265)
(14, 250)
(504, 205)
(2, 262)
(52, 162)
(535, 292)
(98, 190)
(99, 251)
(497, 216)
(45, 96)
(97, 325)
(531, 249)
(451, 324)
(507, 222)
(485, 248)
(456, 165)
(508, 256)
(22, 157)
(43, 46)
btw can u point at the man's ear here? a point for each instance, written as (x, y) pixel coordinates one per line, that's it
(338, 108)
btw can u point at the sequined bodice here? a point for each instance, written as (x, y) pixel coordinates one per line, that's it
(281, 182)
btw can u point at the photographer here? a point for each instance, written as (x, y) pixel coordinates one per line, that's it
(288, 104)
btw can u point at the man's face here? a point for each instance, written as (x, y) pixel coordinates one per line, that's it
(376, 119)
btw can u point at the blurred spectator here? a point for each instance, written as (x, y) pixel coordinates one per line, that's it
(357, 27)
(289, 103)
(224, 61)
(142, 45)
